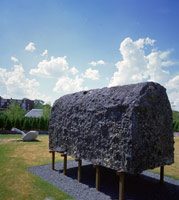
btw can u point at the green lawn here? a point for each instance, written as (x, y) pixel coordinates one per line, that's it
(172, 170)
(18, 183)
(15, 181)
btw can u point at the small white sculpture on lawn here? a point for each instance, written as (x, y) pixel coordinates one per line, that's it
(29, 136)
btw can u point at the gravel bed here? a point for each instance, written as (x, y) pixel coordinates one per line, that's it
(144, 187)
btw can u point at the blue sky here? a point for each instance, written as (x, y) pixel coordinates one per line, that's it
(54, 47)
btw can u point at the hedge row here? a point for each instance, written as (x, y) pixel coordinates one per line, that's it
(26, 123)
(175, 121)
(176, 126)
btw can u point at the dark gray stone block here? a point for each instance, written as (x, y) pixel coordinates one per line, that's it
(127, 128)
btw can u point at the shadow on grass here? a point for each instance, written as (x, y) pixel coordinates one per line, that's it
(32, 141)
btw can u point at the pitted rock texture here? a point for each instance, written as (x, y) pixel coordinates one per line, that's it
(127, 128)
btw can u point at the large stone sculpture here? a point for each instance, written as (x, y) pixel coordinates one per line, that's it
(29, 136)
(126, 128)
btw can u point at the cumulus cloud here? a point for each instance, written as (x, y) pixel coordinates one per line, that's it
(134, 64)
(173, 90)
(14, 59)
(91, 74)
(155, 71)
(173, 83)
(58, 68)
(99, 62)
(66, 85)
(138, 65)
(144, 41)
(73, 70)
(45, 52)
(15, 84)
(30, 47)
(55, 67)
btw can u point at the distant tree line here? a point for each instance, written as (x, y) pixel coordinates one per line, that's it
(14, 117)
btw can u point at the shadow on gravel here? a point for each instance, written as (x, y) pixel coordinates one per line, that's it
(136, 188)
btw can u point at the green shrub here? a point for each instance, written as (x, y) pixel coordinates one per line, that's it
(27, 124)
(35, 123)
(17, 123)
(8, 124)
(2, 121)
(175, 121)
(47, 124)
(42, 124)
(176, 126)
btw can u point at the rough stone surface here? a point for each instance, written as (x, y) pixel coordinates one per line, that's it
(127, 128)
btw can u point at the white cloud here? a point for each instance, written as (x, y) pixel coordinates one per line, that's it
(168, 63)
(45, 52)
(16, 85)
(154, 68)
(142, 41)
(66, 85)
(173, 90)
(58, 68)
(55, 67)
(133, 67)
(99, 62)
(30, 47)
(14, 59)
(92, 74)
(136, 66)
(174, 99)
(73, 70)
(173, 83)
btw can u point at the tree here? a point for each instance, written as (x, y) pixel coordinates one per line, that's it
(37, 123)
(38, 104)
(47, 124)
(175, 115)
(22, 122)
(27, 124)
(14, 111)
(46, 111)
(176, 126)
(42, 125)
(8, 124)
(2, 121)
(175, 120)
(17, 123)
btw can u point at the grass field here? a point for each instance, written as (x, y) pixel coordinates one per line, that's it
(18, 183)
(15, 181)
(172, 170)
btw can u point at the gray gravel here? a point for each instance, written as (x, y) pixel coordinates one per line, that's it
(146, 186)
